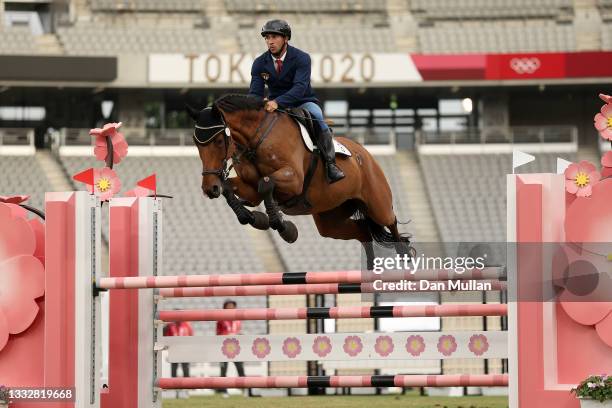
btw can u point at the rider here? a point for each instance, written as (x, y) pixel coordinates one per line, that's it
(286, 70)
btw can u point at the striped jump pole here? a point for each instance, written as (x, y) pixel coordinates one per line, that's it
(348, 312)
(292, 278)
(465, 380)
(303, 289)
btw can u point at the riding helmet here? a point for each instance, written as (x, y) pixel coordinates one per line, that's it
(280, 27)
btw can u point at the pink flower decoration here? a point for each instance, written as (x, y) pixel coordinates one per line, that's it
(22, 278)
(606, 162)
(579, 178)
(603, 121)
(352, 345)
(120, 146)
(106, 183)
(478, 344)
(138, 192)
(384, 345)
(447, 345)
(322, 346)
(261, 347)
(605, 98)
(291, 347)
(588, 225)
(415, 345)
(230, 348)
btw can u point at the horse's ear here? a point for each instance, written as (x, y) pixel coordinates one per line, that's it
(194, 113)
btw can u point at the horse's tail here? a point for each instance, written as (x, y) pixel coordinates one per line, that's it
(379, 233)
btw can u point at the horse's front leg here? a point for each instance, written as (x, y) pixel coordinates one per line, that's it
(286, 229)
(256, 219)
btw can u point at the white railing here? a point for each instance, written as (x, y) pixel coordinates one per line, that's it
(515, 134)
(17, 141)
(536, 139)
(75, 141)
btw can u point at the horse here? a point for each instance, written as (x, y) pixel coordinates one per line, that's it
(272, 165)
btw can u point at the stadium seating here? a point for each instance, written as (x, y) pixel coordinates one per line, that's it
(299, 6)
(532, 36)
(16, 40)
(468, 192)
(146, 5)
(85, 40)
(23, 175)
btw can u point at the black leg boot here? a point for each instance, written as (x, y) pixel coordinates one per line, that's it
(326, 145)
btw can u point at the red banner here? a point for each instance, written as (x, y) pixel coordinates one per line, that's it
(517, 66)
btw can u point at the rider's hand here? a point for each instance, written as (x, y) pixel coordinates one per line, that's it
(271, 106)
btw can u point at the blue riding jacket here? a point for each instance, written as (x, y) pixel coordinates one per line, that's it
(289, 89)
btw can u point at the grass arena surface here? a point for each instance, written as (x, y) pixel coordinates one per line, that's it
(410, 400)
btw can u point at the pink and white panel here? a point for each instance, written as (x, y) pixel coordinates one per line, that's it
(337, 346)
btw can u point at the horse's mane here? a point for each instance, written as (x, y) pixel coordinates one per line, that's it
(238, 102)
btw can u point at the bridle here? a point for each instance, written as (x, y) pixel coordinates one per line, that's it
(250, 152)
(221, 172)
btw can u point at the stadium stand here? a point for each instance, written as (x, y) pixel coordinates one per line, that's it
(467, 192)
(508, 36)
(433, 10)
(16, 40)
(84, 40)
(146, 5)
(23, 174)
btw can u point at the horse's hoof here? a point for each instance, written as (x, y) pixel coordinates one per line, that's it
(289, 232)
(260, 220)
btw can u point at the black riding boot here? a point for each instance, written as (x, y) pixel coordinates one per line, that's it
(326, 145)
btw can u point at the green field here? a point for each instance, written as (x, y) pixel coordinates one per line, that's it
(370, 401)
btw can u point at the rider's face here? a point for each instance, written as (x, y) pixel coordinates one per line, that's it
(275, 43)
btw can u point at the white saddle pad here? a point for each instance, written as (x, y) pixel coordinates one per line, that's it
(338, 147)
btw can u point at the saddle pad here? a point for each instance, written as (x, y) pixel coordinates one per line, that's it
(339, 148)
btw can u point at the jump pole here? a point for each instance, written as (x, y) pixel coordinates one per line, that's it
(349, 312)
(464, 380)
(292, 278)
(300, 289)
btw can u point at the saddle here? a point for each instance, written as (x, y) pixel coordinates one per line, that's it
(310, 131)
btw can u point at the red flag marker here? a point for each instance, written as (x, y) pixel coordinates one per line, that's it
(86, 177)
(149, 183)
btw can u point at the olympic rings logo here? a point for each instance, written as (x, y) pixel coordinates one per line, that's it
(525, 65)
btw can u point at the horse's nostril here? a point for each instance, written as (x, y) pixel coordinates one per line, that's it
(216, 190)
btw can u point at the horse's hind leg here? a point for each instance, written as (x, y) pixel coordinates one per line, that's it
(337, 224)
(381, 212)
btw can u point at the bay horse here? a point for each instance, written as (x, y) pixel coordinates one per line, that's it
(271, 164)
